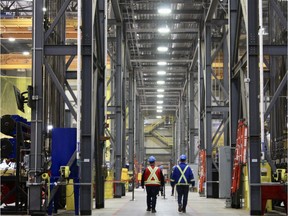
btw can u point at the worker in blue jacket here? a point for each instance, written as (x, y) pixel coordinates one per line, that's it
(182, 177)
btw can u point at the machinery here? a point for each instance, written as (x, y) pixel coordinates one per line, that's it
(14, 153)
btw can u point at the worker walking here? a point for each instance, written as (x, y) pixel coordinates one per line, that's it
(182, 176)
(172, 183)
(152, 178)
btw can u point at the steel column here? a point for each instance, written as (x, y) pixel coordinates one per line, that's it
(86, 111)
(131, 121)
(200, 96)
(254, 149)
(226, 77)
(208, 116)
(183, 145)
(99, 111)
(35, 161)
(191, 115)
(234, 20)
(118, 99)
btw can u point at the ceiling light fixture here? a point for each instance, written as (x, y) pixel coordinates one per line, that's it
(11, 39)
(159, 107)
(161, 63)
(160, 102)
(160, 96)
(161, 72)
(159, 111)
(160, 90)
(164, 11)
(158, 117)
(160, 82)
(25, 53)
(162, 49)
(163, 30)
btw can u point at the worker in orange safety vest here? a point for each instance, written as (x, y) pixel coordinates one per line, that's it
(152, 178)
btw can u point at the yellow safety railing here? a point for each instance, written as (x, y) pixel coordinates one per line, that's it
(167, 140)
(149, 128)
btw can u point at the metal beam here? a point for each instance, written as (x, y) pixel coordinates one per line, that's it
(60, 88)
(60, 50)
(207, 110)
(36, 160)
(273, 100)
(99, 72)
(254, 149)
(118, 103)
(190, 11)
(57, 18)
(211, 10)
(86, 110)
(116, 9)
(155, 30)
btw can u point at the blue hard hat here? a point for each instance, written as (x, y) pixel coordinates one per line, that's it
(152, 159)
(182, 157)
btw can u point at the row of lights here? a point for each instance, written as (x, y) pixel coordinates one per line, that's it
(25, 53)
(162, 30)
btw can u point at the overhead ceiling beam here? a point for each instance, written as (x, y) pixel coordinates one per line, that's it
(181, 12)
(27, 22)
(161, 56)
(162, 41)
(19, 61)
(26, 36)
(167, 60)
(155, 88)
(153, 48)
(153, 30)
(161, 20)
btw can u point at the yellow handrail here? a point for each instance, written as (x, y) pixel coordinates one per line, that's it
(165, 139)
(149, 128)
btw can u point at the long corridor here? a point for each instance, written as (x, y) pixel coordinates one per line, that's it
(197, 206)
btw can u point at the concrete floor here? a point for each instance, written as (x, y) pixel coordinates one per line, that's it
(197, 206)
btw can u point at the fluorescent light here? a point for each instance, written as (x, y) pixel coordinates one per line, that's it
(163, 30)
(44, 9)
(159, 111)
(162, 63)
(160, 90)
(164, 11)
(11, 39)
(160, 96)
(162, 49)
(159, 102)
(49, 127)
(160, 82)
(25, 53)
(161, 72)
(159, 107)
(158, 117)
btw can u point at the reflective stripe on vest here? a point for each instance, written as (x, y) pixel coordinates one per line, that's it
(182, 175)
(152, 175)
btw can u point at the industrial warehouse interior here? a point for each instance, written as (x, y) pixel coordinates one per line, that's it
(91, 89)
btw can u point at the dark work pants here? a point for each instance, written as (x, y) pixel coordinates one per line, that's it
(182, 191)
(152, 192)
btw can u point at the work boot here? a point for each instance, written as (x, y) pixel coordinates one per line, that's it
(148, 209)
(179, 208)
(153, 210)
(184, 210)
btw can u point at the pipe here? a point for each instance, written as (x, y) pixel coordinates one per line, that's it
(261, 103)
(79, 66)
